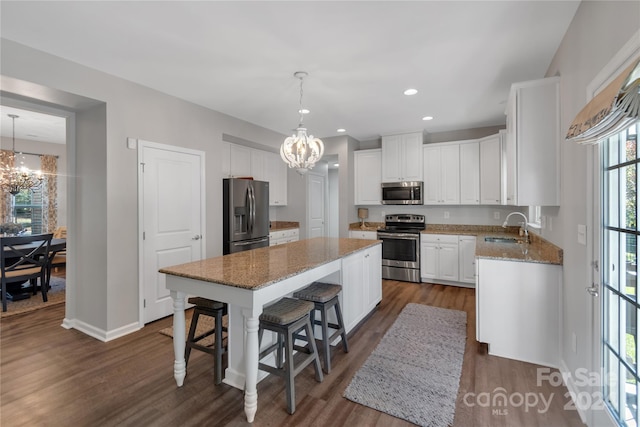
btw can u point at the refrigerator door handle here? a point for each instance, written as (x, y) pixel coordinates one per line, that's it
(253, 207)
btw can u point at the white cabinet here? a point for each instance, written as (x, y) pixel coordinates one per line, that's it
(361, 234)
(276, 175)
(361, 285)
(367, 176)
(284, 236)
(467, 259)
(401, 157)
(441, 174)
(240, 161)
(439, 257)
(518, 311)
(491, 169)
(469, 173)
(532, 143)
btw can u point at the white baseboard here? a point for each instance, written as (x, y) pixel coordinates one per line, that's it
(97, 333)
(567, 379)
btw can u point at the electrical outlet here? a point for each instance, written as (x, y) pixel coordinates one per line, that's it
(446, 214)
(550, 223)
(496, 215)
(543, 222)
(383, 216)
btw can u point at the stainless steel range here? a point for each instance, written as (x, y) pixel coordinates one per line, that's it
(401, 247)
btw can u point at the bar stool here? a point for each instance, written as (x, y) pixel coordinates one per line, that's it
(324, 297)
(215, 309)
(286, 318)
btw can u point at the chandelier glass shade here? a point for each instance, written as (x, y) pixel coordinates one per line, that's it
(15, 176)
(301, 151)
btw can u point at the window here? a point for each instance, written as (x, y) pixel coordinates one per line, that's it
(620, 258)
(535, 216)
(27, 210)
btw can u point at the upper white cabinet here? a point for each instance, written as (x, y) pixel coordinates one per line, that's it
(402, 157)
(367, 176)
(276, 175)
(241, 161)
(533, 135)
(469, 173)
(441, 174)
(491, 169)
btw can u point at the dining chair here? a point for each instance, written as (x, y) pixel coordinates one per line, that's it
(24, 258)
(58, 259)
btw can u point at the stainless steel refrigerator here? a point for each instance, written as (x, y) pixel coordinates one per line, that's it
(246, 215)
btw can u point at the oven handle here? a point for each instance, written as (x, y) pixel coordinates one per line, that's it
(404, 236)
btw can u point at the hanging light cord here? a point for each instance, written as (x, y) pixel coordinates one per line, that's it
(301, 109)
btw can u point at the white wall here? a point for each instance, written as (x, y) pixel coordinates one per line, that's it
(599, 29)
(334, 203)
(109, 110)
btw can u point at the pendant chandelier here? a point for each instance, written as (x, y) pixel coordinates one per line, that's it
(18, 177)
(301, 151)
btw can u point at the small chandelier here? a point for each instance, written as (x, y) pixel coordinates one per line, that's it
(301, 151)
(18, 177)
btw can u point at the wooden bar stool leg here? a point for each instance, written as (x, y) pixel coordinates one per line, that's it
(288, 365)
(325, 337)
(192, 332)
(345, 344)
(312, 348)
(218, 346)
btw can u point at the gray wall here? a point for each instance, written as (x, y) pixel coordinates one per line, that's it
(107, 264)
(598, 31)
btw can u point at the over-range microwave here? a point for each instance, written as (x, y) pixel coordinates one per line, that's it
(402, 193)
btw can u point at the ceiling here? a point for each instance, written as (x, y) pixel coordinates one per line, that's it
(239, 57)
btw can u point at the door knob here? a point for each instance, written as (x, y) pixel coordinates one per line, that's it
(196, 237)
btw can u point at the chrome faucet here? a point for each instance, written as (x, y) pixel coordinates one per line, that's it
(524, 224)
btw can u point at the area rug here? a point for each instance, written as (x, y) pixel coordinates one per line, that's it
(414, 372)
(55, 296)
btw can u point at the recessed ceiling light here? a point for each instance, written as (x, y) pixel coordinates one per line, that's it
(304, 111)
(336, 164)
(427, 118)
(341, 130)
(411, 91)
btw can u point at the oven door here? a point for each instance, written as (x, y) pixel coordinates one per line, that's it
(400, 249)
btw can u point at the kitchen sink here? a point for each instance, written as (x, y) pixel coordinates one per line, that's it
(501, 239)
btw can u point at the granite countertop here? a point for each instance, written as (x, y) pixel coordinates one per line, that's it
(539, 250)
(261, 267)
(283, 225)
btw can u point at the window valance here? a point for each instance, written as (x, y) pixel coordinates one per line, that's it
(611, 110)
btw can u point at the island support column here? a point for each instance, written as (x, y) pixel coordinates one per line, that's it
(179, 343)
(252, 323)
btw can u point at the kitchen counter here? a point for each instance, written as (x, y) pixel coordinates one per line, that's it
(264, 266)
(283, 225)
(538, 251)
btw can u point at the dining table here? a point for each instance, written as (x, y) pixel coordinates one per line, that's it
(247, 281)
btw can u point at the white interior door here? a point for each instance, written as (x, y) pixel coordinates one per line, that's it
(316, 194)
(172, 218)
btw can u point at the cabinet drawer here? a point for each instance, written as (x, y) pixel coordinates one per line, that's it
(439, 238)
(368, 235)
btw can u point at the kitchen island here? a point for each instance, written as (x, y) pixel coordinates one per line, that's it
(247, 281)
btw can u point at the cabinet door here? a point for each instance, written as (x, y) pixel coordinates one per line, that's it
(258, 167)
(448, 262)
(276, 172)
(467, 258)
(428, 260)
(470, 173)
(450, 173)
(432, 177)
(226, 159)
(240, 164)
(411, 166)
(490, 170)
(368, 176)
(391, 153)
(373, 275)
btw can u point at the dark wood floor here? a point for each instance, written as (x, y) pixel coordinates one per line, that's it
(58, 377)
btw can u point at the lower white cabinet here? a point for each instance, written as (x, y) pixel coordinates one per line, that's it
(361, 234)
(439, 257)
(467, 259)
(361, 285)
(518, 310)
(284, 236)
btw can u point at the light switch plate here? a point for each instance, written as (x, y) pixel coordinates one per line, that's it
(132, 143)
(582, 234)
(446, 214)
